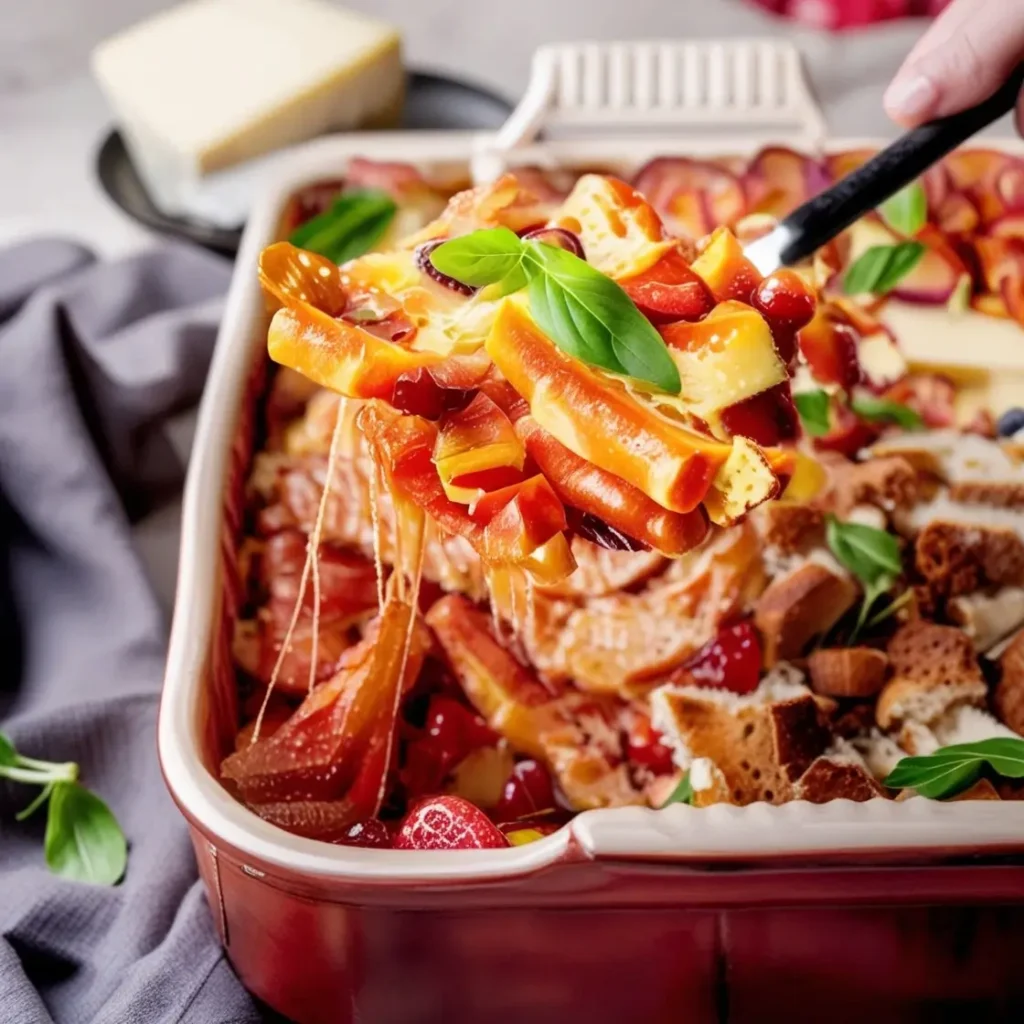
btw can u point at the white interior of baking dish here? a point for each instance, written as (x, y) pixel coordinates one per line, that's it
(574, 87)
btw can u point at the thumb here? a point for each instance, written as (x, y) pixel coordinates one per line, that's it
(961, 60)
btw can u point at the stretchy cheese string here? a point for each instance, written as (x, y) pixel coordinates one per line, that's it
(378, 562)
(399, 689)
(312, 559)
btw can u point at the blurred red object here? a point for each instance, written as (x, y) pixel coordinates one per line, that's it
(835, 15)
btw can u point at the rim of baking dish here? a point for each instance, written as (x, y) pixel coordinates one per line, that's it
(758, 833)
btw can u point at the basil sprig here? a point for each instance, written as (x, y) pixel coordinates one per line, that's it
(83, 840)
(873, 557)
(878, 270)
(875, 410)
(907, 211)
(586, 314)
(951, 770)
(682, 794)
(354, 224)
(813, 407)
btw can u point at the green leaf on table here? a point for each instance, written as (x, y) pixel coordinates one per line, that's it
(682, 794)
(353, 225)
(869, 553)
(83, 839)
(813, 407)
(868, 407)
(41, 797)
(878, 270)
(8, 753)
(950, 770)
(588, 315)
(907, 211)
(489, 256)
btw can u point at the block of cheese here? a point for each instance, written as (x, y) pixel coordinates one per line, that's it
(209, 84)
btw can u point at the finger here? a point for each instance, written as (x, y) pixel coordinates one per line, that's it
(961, 60)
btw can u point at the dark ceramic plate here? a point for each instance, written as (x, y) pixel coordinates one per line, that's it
(433, 103)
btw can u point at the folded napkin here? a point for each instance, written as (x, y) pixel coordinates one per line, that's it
(94, 361)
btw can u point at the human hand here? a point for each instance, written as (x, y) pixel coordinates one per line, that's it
(961, 60)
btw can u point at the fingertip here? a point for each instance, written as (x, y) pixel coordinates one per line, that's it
(911, 98)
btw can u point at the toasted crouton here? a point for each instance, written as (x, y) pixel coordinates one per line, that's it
(799, 606)
(708, 784)
(994, 493)
(830, 778)
(934, 669)
(981, 790)
(887, 482)
(788, 528)
(988, 618)
(1008, 698)
(957, 558)
(759, 748)
(847, 671)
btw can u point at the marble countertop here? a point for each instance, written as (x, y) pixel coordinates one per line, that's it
(52, 116)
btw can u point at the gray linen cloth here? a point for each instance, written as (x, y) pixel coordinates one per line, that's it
(93, 360)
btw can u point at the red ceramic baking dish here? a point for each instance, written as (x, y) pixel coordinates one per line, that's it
(722, 913)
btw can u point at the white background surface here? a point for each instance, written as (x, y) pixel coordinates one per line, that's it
(52, 117)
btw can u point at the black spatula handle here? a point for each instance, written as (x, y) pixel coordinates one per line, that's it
(822, 218)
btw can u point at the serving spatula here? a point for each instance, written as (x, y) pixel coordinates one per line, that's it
(820, 219)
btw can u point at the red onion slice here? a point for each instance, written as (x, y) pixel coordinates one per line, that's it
(563, 238)
(425, 264)
(593, 528)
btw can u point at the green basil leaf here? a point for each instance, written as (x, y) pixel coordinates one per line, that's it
(83, 839)
(589, 316)
(41, 797)
(482, 257)
(682, 794)
(813, 407)
(867, 407)
(907, 211)
(881, 268)
(868, 553)
(872, 592)
(353, 225)
(951, 770)
(8, 753)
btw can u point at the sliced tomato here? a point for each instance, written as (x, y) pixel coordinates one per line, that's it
(348, 581)
(531, 517)
(474, 440)
(669, 290)
(448, 386)
(830, 348)
(768, 418)
(779, 180)
(693, 197)
(599, 421)
(334, 746)
(505, 693)
(506, 526)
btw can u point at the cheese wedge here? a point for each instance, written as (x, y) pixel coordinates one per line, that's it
(213, 83)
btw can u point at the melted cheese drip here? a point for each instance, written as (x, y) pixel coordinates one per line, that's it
(378, 562)
(311, 562)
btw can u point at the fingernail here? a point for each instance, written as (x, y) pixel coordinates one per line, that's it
(911, 97)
